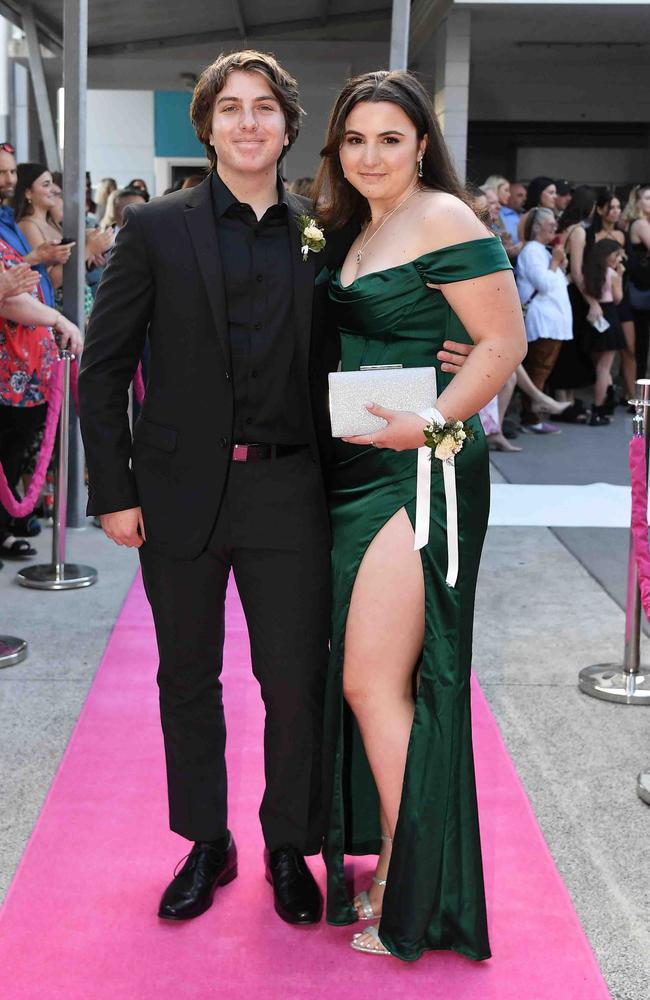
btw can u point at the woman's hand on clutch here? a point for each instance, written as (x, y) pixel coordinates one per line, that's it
(404, 430)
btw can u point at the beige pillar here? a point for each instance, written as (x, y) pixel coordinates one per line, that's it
(451, 88)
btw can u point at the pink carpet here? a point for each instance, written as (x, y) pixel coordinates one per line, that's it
(79, 922)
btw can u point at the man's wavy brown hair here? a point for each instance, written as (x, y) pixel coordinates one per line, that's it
(213, 79)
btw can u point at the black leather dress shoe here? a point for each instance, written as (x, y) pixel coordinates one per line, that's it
(190, 893)
(297, 897)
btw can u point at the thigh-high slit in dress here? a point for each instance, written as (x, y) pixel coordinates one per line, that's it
(434, 897)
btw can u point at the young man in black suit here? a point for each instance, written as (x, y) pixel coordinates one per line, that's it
(223, 471)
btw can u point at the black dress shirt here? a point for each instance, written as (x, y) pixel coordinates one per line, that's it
(258, 278)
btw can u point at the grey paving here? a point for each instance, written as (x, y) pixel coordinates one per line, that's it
(41, 698)
(540, 618)
(577, 455)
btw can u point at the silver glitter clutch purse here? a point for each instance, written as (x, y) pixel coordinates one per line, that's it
(391, 386)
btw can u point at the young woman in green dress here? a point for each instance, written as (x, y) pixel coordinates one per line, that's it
(422, 270)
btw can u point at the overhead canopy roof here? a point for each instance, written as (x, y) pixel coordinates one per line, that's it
(120, 27)
(148, 28)
(163, 44)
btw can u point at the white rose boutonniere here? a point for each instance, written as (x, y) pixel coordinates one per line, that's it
(447, 440)
(311, 236)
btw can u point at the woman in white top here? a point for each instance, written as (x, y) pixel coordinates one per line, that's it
(542, 286)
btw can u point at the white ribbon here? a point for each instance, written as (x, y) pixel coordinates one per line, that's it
(423, 500)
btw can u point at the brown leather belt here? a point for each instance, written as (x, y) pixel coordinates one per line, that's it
(260, 452)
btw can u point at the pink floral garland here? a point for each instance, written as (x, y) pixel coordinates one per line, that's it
(20, 508)
(639, 479)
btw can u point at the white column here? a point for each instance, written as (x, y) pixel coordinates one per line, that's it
(451, 90)
(5, 118)
(20, 111)
(399, 34)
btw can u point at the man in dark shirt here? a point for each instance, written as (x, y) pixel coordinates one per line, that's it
(257, 275)
(223, 471)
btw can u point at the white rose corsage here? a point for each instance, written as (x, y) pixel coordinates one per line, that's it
(311, 236)
(446, 440)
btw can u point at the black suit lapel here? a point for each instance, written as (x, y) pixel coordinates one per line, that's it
(304, 276)
(199, 215)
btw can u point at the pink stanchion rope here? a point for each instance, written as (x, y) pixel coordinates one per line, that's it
(74, 383)
(20, 508)
(638, 476)
(138, 384)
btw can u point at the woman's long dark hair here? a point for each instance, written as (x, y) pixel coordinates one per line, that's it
(27, 173)
(535, 190)
(594, 267)
(337, 200)
(579, 208)
(603, 201)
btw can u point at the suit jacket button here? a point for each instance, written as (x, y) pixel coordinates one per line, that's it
(223, 442)
(227, 376)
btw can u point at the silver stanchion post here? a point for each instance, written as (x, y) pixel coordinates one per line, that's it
(643, 786)
(12, 650)
(59, 575)
(629, 683)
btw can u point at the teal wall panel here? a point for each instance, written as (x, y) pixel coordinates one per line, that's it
(173, 131)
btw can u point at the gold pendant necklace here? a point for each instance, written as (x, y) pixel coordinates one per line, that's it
(385, 219)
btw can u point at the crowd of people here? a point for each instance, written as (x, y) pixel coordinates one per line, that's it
(582, 266)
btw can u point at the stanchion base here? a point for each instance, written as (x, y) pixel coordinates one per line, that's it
(70, 576)
(609, 682)
(643, 786)
(12, 650)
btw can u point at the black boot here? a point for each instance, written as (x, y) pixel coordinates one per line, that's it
(209, 865)
(297, 897)
(610, 402)
(598, 418)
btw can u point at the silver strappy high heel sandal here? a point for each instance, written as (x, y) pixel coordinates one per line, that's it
(369, 949)
(367, 912)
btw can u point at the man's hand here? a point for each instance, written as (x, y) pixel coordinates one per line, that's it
(17, 280)
(50, 252)
(454, 356)
(124, 527)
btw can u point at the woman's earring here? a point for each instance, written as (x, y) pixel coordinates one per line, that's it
(420, 170)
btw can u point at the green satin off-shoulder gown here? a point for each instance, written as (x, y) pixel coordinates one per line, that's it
(434, 897)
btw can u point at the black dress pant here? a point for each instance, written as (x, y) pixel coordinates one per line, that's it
(18, 427)
(272, 529)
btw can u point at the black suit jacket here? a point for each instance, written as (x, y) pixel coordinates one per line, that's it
(165, 280)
